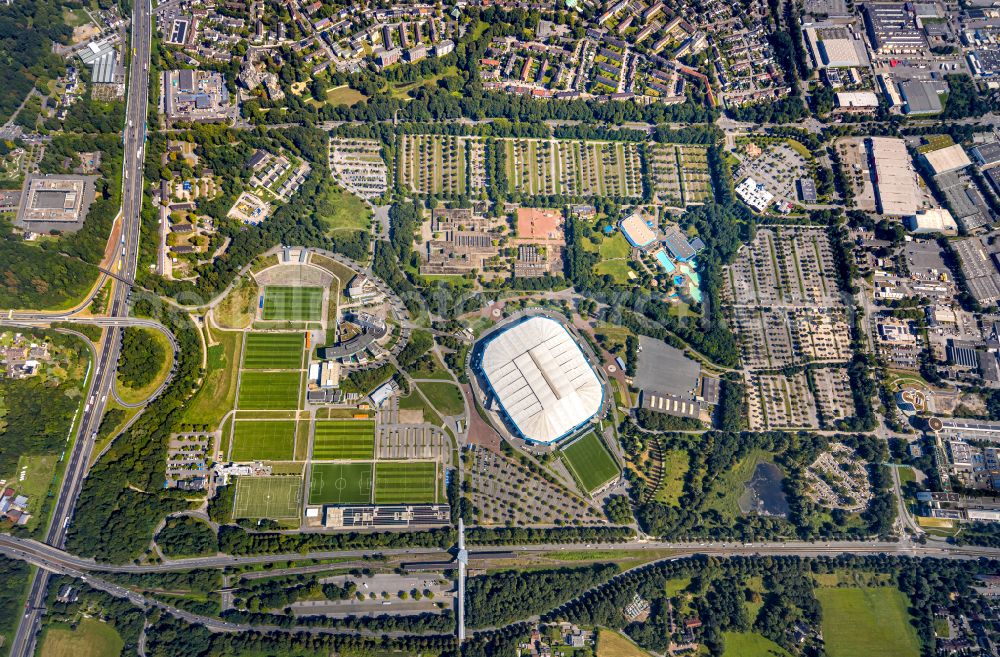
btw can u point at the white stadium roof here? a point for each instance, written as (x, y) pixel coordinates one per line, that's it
(541, 379)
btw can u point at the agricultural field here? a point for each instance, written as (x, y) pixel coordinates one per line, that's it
(269, 391)
(278, 498)
(590, 461)
(263, 440)
(613, 644)
(340, 483)
(440, 164)
(273, 351)
(573, 168)
(344, 439)
(399, 482)
(871, 621)
(295, 304)
(89, 638)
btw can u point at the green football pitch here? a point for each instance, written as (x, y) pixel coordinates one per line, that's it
(341, 483)
(295, 304)
(344, 439)
(268, 497)
(590, 461)
(269, 390)
(263, 440)
(273, 351)
(406, 482)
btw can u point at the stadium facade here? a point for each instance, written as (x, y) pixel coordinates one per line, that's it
(540, 378)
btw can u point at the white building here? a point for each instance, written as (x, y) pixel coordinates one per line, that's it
(541, 379)
(754, 194)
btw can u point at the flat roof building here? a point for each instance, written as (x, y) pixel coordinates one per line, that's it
(754, 194)
(637, 231)
(540, 378)
(919, 97)
(947, 159)
(895, 180)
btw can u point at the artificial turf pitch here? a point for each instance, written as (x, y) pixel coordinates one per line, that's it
(405, 482)
(268, 497)
(273, 351)
(340, 483)
(263, 440)
(590, 461)
(296, 304)
(269, 390)
(344, 439)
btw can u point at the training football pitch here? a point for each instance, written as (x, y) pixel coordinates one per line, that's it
(269, 390)
(294, 304)
(273, 351)
(263, 440)
(590, 461)
(268, 497)
(341, 483)
(405, 482)
(344, 439)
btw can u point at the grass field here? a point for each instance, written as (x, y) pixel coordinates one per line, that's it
(295, 304)
(873, 622)
(268, 497)
(413, 402)
(740, 644)
(91, 638)
(446, 397)
(344, 211)
(273, 351)
(341, 483)
(676, 463)
(405, 482)
(239, 307)
(218, 390)
(590, 461)
(612, 644)
(344, 439)
(269, 390)
(263, 440)
(344, 95)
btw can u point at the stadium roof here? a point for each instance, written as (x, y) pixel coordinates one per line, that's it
(541, 379)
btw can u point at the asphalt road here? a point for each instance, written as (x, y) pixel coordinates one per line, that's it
(134, 138)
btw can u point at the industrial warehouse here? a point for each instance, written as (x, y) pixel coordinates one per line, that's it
(539, 378)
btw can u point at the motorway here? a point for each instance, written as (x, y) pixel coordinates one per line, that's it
(134, 138)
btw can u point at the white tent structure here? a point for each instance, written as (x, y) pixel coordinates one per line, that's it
(541, 379)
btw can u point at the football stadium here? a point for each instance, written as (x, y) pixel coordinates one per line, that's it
(540, 379)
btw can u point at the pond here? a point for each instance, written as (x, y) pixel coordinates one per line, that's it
(764, 494)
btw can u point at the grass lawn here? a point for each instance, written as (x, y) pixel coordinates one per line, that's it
(677, 586)
(617, 269)
(612, 644)
(268, 497)
(218, 390)
(344, 95)
(239, 307)
(675, 467)
(39, 471)
(344, 439)
(873, 622)
(344, 211)
(405, 482)
(590, 461)
(413, 402)
(136, 395)
(341, 483)
(614, 247)
(430, 367)
(295, 304)
(446, 397)
(273, 351)
(263, 440)
(269, 390)
(739, 644)
(91, 638)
